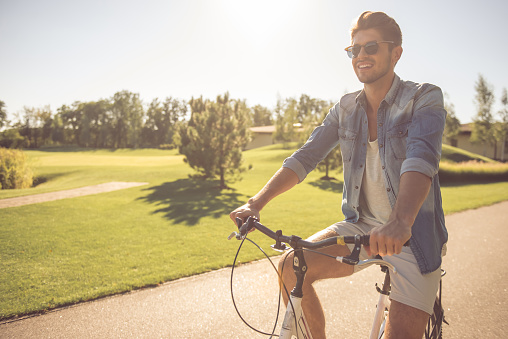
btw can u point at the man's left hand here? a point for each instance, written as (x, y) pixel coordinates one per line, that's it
(389, 238)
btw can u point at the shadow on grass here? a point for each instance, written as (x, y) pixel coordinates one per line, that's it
(186, 201)
(328, 185)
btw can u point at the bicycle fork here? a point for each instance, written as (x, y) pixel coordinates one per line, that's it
(295, 324)
(378, 327)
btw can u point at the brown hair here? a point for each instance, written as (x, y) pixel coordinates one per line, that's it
(385, 25)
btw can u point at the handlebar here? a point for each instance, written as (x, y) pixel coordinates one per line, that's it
(298, 243)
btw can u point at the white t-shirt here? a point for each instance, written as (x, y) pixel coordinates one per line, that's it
(375, 207)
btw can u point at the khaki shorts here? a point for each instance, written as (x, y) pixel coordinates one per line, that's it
(409, 286)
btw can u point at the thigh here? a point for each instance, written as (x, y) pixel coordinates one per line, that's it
(405, 322)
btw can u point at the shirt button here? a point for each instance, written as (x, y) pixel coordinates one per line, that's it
(388, 189)
(381, 146)
(380, 124)
(356, 187)
(383, 167)
(361, 166)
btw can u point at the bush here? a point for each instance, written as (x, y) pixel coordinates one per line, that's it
(14, 170)
(472, 171)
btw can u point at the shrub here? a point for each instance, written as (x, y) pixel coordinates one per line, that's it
(472, 171)
(14, 170)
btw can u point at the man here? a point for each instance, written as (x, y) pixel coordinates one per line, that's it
(390, 138)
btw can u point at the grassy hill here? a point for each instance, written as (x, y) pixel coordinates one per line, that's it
(66, 251)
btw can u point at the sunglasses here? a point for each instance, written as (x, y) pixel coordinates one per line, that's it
(370, 47)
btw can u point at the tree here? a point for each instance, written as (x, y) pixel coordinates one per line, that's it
(10, 138)
(127, 117)
(261, 116)
(452, 125)
(57, 130)
(71, 120)
(286, 113)
(501, 130)
(213, 139)
(482, 125)
(3, 115)
(161, 120)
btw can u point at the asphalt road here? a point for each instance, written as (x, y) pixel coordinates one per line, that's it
(475, 295)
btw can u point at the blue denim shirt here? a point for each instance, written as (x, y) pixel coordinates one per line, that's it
(411, 121)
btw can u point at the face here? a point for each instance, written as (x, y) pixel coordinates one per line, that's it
(372, 68)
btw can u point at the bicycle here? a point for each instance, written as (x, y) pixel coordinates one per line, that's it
(295, 324)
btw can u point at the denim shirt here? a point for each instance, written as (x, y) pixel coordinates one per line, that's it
(410, 124)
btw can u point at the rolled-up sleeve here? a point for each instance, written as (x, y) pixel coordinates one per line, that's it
(322, 140)
(425, 133)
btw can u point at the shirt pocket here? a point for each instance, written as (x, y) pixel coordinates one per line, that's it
(397, 138)
(347, 142)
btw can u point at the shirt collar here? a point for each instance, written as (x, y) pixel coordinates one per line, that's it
(389, 97)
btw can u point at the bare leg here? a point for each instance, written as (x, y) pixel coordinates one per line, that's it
(405, 322)
(319, 267)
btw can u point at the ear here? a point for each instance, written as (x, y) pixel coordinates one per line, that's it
(396, 54)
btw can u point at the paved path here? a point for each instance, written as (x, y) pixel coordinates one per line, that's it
(72, 193)
(474, 292)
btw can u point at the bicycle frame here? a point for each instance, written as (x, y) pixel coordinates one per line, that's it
(383, 305)
(294, 323)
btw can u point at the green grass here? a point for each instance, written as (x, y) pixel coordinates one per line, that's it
(454, 154)
(66, 251)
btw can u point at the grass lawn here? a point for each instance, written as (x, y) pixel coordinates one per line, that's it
(65, 251)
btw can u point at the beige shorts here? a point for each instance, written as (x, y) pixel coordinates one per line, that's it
(409, 286)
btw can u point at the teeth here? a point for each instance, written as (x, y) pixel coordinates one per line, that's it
(364, 66)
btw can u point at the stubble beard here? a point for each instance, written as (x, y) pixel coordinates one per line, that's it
(369, 79)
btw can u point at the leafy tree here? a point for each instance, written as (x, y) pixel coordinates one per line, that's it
(44, 118)
(10, 138)
(213, 139)
(286, 113)
(482, 126)
(161, 121)
(71, 120)
(57, 130)
(452, 125)
(127, 117)
(261, 116)
(28, 129)
(3, 114)
(501, 130)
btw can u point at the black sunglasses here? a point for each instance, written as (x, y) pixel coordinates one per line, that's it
(371, 48)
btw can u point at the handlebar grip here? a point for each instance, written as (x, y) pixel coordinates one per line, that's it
(364, 240)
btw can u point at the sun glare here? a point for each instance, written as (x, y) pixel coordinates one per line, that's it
(259, 21)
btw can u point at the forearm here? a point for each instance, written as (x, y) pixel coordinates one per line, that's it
(413, 190)
(283, 180)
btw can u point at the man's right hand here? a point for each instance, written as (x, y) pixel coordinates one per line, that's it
(243, 212)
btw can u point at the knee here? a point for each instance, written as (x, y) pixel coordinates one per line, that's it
(286, 267)
(286, 263)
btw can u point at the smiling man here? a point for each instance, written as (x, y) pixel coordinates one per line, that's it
(390, 137)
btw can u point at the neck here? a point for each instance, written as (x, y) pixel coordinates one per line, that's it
(375, 92)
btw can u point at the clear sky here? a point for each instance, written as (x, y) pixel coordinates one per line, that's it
(57, 52)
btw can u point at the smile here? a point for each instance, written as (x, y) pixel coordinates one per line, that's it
(363, 66)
